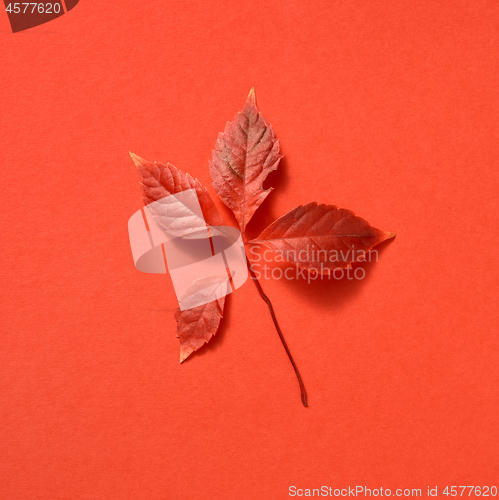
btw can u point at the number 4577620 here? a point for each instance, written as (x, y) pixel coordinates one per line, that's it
(477, 491)
(32, 8)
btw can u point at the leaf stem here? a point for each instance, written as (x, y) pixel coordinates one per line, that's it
(278, 328)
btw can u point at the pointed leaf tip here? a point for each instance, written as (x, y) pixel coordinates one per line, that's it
(252, 95)
(137, 160)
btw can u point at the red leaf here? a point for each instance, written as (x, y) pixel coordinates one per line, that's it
(321, 238)
(244, 155)
(158, 181)
(196, 326)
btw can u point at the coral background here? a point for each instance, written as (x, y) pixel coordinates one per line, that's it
(387, 108)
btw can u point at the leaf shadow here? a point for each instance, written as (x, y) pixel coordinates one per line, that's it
(266, 214)
(334, 292)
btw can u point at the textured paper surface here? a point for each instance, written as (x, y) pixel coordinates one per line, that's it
(386, 108)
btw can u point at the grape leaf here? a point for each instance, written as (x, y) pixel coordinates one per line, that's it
(157, 181)
(321, 238)
(244, 155)
(196, 326)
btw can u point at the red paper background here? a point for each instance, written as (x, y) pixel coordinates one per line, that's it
(386, 108)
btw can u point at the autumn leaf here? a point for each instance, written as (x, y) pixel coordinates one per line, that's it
(244, 155)
(157, 181)
(196, 326)
(318, 238)
(321, 238)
